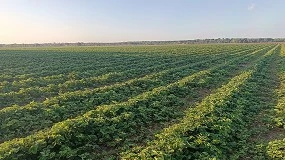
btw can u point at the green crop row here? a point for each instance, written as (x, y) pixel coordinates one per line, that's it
(79, 71)
(26, 95)
(18, 121)
(105, 64)
(42, 63)
(216, 127)
(276, 148)
(108, 123)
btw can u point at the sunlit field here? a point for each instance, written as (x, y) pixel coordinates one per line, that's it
(210, 101)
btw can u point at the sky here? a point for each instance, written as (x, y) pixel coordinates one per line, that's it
(48, 21)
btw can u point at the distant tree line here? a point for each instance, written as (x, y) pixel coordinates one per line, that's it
(196, 41)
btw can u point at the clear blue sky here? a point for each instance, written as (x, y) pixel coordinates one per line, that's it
(30, 21)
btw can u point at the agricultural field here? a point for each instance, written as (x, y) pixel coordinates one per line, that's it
(218, 101)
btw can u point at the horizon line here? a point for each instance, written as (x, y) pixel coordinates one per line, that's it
(137, 41)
